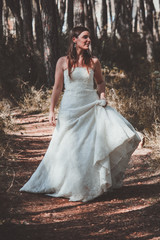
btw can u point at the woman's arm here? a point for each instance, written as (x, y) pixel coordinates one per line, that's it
(99, 79)
(57, 89)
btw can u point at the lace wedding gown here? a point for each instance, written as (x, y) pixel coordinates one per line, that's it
(90, 147)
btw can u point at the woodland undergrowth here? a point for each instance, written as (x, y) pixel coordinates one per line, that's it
(136, 97)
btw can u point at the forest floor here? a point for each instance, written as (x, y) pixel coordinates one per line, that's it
(131, 212)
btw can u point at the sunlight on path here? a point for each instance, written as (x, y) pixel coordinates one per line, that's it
(131, 212)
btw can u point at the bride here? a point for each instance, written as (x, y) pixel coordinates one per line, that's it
(92, 143)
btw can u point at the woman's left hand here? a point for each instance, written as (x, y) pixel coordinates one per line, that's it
(52, 119)
(106, 103)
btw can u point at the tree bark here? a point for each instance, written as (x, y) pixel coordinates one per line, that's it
(117, 5)
(110, 13)
(92, 22)
(70, 15)
(38, 28)
(142, 21)
(155, 24)
(104, 17)
(14, 5)
(135, 13)
(125, 18)
(61, 10)
(78, 10)
(27, 24)
(149, 30)
(50, 38)
(126, 26)
(5, 22)
(92, 4)
(1, 23)
(86, 24)
(122, 27)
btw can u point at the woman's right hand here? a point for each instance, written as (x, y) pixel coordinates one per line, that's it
(52, 119)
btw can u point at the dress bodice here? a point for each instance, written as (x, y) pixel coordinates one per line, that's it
(81, 79)
(79, 89)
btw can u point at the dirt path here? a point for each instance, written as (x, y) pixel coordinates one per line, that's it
(132, 212)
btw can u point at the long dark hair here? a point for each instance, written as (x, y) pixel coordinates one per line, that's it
(72, 53)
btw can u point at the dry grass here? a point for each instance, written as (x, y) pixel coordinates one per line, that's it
(138, 107)
(153, 141)
(6, 118)
(6, 124)
(35, 101)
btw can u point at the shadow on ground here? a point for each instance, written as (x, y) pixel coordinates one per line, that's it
(131, 212)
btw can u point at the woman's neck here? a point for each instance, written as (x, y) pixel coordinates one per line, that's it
(80, 59)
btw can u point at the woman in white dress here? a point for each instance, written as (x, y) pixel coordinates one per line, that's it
(91, 143)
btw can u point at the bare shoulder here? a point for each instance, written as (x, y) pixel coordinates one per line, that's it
(96, 63)
(62, 63)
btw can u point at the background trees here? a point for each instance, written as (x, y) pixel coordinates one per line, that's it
(123, 32)
(125, 37)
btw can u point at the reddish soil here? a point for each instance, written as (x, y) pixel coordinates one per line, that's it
(131, 212)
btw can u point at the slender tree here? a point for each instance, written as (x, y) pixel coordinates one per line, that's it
(92, 21)
(110, 13)
(104, 18)
(85, 6)
(70, 15)
(93, 10)
(135, 14)
(1, 24)
(50, 37)
(155, 24)
(149, 30)
(5, 20)
(38, 27)
(61, 11)
(117, 9)
(78, 9)
(27, 24)
(14, 6)
(142, 18)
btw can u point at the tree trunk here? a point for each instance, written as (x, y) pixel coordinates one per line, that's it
(136, 21)
(86, 24)
(14, 5)
(103, 20)
(50, 38)
(92, 4)
(125, 18)
(61, 10)
(5, 22)
(122, 27)
(155, 24)
(126, 26)
(78, 12)
(149, 30)
(142, 21)
(27, 24)
(38, 28)
(117, 5)
(135, 15)
(1, 23)
(110, 13)
(92, 22)
(70, 15)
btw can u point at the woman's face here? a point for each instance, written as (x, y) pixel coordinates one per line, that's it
(83, 40)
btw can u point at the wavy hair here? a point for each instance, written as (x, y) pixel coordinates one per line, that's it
(72, 53)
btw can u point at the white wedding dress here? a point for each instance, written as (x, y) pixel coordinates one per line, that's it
(90, 147)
